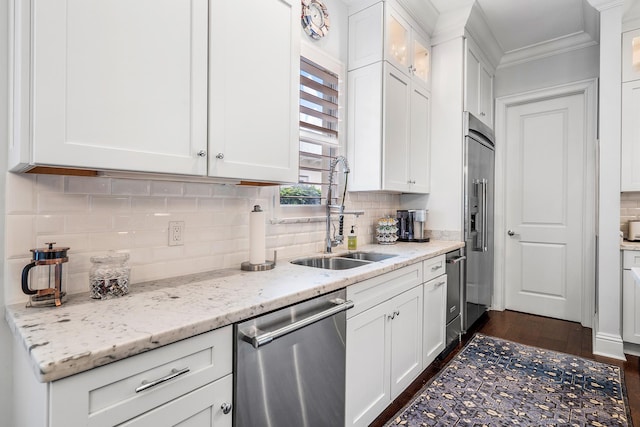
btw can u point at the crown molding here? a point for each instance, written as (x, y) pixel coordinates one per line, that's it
(601, 5)
(548, 48)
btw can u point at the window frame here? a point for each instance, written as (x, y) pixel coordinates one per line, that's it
(285, 213)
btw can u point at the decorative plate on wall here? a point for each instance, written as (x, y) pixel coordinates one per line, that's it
(315, 19)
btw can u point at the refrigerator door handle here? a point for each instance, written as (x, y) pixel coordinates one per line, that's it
(483, 244)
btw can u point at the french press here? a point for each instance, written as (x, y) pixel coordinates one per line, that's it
(46, 287)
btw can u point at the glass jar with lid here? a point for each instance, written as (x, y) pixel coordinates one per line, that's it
(109, 275)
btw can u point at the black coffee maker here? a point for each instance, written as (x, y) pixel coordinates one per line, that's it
(411, 225)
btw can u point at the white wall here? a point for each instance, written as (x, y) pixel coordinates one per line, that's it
(573, 66)
(6, 341)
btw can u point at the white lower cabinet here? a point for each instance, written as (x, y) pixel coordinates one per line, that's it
(384, 341)
(630, 298)
(434, 319)
(384, 346)
(188, 383)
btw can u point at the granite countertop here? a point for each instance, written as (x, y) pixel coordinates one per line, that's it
(84, 333)
(626, 245)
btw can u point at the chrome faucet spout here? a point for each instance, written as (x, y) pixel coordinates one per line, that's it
(339, 238)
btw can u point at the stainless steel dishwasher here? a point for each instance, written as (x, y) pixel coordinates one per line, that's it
(289, 365)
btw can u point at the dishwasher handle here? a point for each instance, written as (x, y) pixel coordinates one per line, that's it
(258, 338)
(456, 260)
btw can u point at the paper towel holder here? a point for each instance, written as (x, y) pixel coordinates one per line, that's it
(267, 265)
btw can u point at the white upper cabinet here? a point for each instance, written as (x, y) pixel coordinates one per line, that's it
(479, 84)
(389, 131)
(168, 86)
(389, 108)
(630, 135)
(631, 55)
(118, 84)
(384, 31)
(254, 74)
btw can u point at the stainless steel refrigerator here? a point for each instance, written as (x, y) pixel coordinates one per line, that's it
(478, 218)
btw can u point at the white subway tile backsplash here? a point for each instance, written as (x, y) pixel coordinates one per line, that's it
(86, 185)
(50, 183)
(58, 202)
(87, 223)
(49, 224)
(149, 204)
(21, 187)
(211, 205)
(130, 187)
(20, 235)
(181, 204)
(166, 188)
(150, 238)
(94, 215)
(102, 204)
(196, 189)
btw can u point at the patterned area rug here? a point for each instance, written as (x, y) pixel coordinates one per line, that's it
(493, 382)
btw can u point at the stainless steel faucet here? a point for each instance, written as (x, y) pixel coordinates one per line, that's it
(339, 209)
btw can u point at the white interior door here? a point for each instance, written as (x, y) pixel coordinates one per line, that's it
(545, 202)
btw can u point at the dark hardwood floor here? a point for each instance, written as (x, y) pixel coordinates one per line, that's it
(551, 334)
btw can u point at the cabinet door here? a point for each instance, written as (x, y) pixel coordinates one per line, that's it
(472, 81)
(485, 102)
(419, 149)
(365, 36)
(421, 63)
(435, 306)
(406, 339)
(630, 308)
(120, 84)
(398, 41)
(254, 89)
(201, 408)
(367, 367)
(397, 95)
(630, 174)
(478, 85)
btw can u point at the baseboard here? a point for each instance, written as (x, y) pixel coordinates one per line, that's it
(608, 345)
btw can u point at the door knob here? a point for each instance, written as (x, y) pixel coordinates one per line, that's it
(511, 233)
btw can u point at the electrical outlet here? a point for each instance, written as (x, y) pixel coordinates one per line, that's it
(176, 232)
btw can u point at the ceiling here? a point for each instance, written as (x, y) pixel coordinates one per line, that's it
(529, 29)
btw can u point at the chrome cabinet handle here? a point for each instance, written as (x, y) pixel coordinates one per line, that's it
(393, 315)
(174, 373)
(511, 233)
(439, 284)
(220, 156)
(226, 408)
(202, 153)
(436, 268)
(251, 336)
(482, 114)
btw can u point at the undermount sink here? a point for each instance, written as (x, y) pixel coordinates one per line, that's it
(367, 256)
(342, 262)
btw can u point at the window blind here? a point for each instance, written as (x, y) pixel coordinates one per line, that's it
(319, 122)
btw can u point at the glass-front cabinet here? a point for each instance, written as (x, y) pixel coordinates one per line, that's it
(385, 31)
(406, 48)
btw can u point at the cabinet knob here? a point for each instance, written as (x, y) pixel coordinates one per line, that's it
(220, 156)
(411, 182)
(202, 153)
(226, 408)
(482, 114)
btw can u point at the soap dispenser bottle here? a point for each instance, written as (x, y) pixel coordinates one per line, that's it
(352, 239)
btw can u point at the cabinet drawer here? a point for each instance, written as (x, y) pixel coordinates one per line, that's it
(111, 394)
(630, 259)
(373, 291)
(434, 267)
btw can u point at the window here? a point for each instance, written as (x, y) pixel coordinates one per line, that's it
(319, 134)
